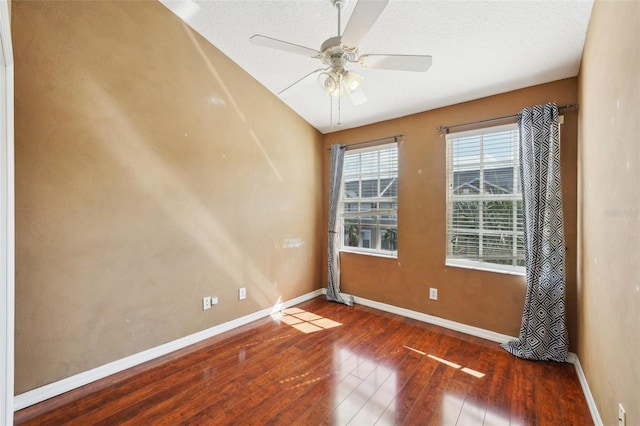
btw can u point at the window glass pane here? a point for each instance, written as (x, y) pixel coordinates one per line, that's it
(351, 165)
(368, 220)
(369, 163)
(498, 148)
(367, 207)
(370, 187)
(388, 220)
(366, 234)
(351, 233)
(465, 245)
(498, 180)
(352, 189)
(389, 161)
(495, 247)
(466, 182)
(465, 215)
(351, 207)
(520, 247)
(498, 215)
(484, 213)
(520, 218)
(389, 239)
(389, 187)
(466, 152)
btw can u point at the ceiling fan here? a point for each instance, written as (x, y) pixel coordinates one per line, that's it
(339, 53)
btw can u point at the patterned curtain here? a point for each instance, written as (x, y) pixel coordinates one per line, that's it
(335, 184)
(543, 332)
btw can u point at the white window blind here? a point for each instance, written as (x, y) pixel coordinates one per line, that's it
(369, 204)
(484, 200)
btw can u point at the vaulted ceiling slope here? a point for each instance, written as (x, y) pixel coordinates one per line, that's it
(479, 48)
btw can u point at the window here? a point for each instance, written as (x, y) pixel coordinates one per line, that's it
(485, 225)
(369, 204)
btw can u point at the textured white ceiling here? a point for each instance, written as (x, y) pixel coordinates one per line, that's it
(479, 48)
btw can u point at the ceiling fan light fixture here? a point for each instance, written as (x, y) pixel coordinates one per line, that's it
(352, 81)
(339, 53)
(330, 82)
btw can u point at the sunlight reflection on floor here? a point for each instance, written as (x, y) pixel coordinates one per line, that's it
(307, 322)
(364, 388)
(449, 363)
(465, 411)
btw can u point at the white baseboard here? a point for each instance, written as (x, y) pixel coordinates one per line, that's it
(65, 385)
(451, 325)
(485, 334)
(430, 319)
(593, 409)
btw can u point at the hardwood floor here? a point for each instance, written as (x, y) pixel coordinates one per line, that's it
(323, 363)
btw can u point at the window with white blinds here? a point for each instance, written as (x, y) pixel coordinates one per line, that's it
(485, 227)
(369, 204)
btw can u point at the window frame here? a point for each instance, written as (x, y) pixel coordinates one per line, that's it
(514, 197)
(378, 214)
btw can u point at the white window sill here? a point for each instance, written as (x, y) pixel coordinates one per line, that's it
(487, 267)
(391, 255)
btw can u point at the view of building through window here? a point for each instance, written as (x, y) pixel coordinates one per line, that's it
(370, 200)
(484, 200)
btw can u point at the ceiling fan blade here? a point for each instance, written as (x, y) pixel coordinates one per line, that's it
(273, 43)
(299, 84)
(362, 19)
(357, 96)
(418, 63)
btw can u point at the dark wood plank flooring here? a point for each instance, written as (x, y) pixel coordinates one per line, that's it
(323, 363)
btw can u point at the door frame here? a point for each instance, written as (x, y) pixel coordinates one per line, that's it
(7, 215)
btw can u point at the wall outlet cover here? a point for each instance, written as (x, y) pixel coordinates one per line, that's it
(206, 303)
(433, 293)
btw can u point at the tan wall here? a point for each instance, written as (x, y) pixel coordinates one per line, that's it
(488, 300)
(151, 171)
(609, 212)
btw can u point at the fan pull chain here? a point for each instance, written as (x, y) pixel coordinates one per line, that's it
(339, 104)
(331, 111)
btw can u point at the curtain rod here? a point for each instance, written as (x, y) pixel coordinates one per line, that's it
(446, 128)
(350, 146)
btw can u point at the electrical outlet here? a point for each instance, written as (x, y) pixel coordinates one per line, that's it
(433, 293)
(622, 416)
(206, 303)
(242, 293)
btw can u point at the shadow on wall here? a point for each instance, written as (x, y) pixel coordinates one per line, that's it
(149, 172)
(234, 104)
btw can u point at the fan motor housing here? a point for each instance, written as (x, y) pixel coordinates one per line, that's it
(335, 55)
